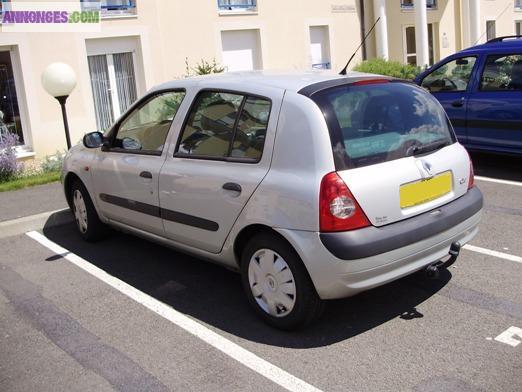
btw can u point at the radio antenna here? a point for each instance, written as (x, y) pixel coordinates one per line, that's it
(343, 72)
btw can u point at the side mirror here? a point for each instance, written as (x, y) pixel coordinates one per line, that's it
(93, 139)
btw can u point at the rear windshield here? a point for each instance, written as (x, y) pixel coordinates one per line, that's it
(374, 123)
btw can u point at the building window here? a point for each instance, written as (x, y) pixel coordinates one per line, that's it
(111, 8)
(491, 29)
(10, 121)
(518, 27)
(237, 5)
(409, 4)
(3, 1)
(113, 85)
(320, 47)
(410, 55)
(241, 50)
(518, 4)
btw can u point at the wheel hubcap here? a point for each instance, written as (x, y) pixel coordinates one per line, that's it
(80, 211)
(272, 283)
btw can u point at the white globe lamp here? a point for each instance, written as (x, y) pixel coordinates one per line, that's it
(59, 80)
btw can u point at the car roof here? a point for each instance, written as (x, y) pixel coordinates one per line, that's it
(292, 81)
(500, 43)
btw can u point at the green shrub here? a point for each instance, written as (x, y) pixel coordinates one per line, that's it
(53, 163)
(203, 68)
(388, 68)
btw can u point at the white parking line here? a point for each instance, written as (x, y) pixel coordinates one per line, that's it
(506, 182)
(245, 357)
(508, 336)
(505, 256)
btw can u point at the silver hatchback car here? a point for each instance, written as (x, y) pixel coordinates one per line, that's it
(314, 185)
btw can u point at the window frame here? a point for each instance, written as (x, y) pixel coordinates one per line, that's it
(434, 5)
(470, 82)
(491, 27)
(119, 11)
(113, 132)
(518, 26)
(431, 50)
(245, 95)
(485, 63)
(237, 8)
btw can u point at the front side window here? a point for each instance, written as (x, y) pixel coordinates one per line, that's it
(452, 76)
(375, 123)
(502, 72)
(225, 125)
(146, 128)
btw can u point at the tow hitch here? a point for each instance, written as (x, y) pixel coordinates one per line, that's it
(432, 270)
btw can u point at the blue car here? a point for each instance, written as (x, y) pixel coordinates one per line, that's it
(481, 90)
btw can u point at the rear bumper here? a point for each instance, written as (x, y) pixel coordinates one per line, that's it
(372, 240)
(336, 277)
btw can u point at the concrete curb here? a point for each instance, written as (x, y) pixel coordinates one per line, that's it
(35, 222)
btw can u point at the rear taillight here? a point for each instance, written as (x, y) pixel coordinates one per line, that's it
(338, 209)
(471, 182)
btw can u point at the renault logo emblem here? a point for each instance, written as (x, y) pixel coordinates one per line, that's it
(426, 166)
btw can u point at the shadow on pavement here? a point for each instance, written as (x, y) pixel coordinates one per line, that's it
(214, 295)
(504, 167)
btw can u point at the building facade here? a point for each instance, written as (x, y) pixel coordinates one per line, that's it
(146, 42)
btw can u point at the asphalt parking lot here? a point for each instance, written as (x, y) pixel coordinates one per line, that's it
(125, 314)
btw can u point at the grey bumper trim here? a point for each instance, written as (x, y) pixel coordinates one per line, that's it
(371, 241)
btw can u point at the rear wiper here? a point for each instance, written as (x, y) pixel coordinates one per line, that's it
(418, 150)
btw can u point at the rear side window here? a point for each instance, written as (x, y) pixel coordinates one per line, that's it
(452, 76)
(502, 72)
(223, 125)
(375, 123)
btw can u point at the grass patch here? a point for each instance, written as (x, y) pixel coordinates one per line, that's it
(24, 182)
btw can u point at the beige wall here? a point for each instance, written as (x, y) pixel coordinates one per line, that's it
(166, 32)
(447, 19)
(503, 12)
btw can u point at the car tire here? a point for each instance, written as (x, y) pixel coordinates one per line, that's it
(277, 283)
(89, 225)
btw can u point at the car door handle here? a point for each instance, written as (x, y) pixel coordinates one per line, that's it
(458, 103)
(146, 174)
(232, 186)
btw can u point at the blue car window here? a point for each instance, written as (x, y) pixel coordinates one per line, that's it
(452, 76)
(502, 72)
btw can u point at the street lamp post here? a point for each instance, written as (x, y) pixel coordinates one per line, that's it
(59, 79)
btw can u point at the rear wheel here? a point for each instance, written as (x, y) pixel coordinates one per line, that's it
(85, 215)
(277, 284)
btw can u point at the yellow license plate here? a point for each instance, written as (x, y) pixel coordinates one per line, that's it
(423, 191)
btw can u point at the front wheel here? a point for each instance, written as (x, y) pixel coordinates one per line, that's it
(277, 284)
(85, 215)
